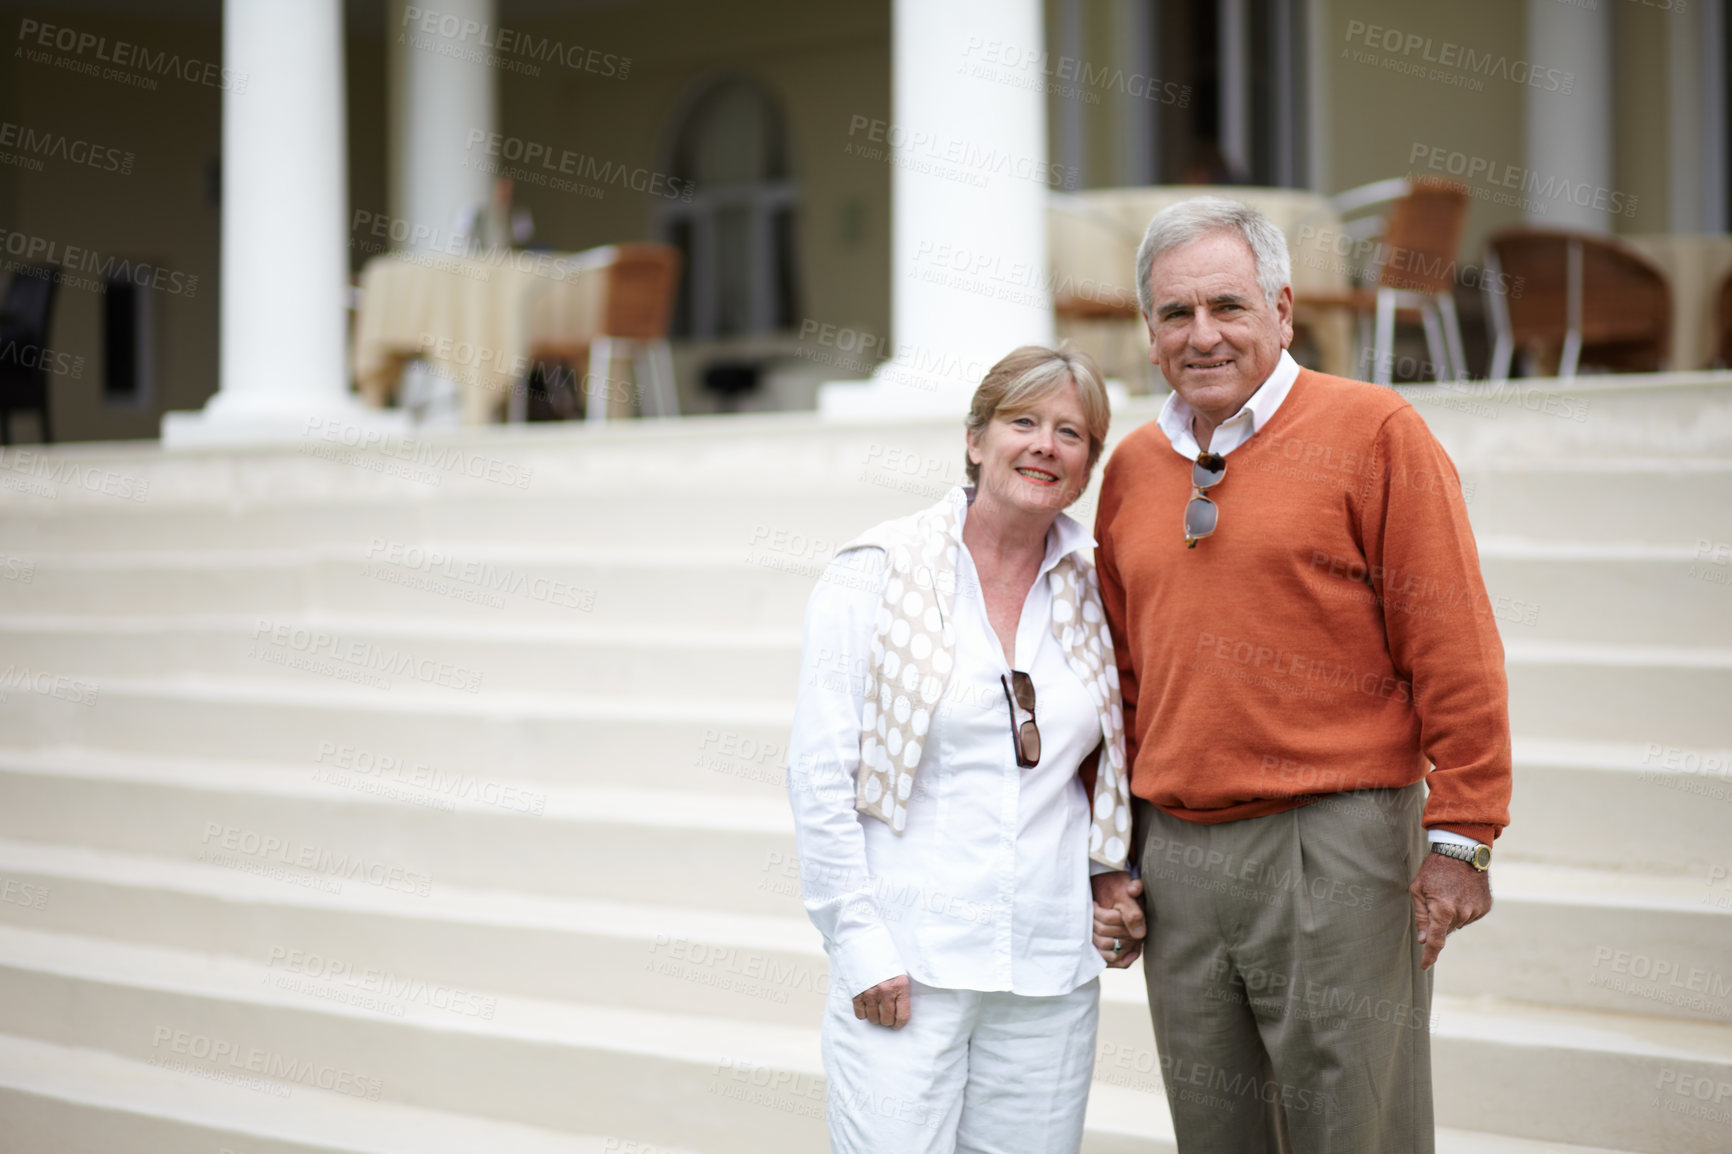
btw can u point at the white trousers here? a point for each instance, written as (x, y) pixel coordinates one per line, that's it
(971, 1072)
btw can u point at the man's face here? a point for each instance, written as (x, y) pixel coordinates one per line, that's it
(1212, 335)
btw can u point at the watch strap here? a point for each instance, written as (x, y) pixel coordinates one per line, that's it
(1471, 854)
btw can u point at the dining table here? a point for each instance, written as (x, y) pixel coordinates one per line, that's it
(476, 318)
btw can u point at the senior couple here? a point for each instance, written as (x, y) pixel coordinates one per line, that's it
(1215, 745)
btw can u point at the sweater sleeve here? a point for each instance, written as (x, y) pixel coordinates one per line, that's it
(1113, 604)
(1424, 568)
(823, 755)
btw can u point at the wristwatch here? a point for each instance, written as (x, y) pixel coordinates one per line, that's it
(1477, 856)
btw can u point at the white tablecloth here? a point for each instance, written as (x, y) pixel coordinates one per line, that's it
(1695, 265)
(473, 318)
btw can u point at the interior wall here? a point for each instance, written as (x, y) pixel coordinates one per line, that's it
(156, 204)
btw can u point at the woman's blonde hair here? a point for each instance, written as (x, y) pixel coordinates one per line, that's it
(1027, 376)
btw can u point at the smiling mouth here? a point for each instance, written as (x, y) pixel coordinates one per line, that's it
(1040, 475)
(1209, 364)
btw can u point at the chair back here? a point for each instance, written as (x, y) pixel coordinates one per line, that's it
(1624, 298)
(29, 303)
(640, 291)
(1422, 237)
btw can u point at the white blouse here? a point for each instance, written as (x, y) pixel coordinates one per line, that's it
(988, 887)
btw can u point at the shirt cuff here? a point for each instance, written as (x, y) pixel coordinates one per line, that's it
(870, 956)
(1433, 836)
(1096, 869)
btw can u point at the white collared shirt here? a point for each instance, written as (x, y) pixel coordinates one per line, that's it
(988, 887)
(1176, 415)
(1175, 421)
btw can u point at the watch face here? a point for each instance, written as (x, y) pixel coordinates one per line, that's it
(1482, 857)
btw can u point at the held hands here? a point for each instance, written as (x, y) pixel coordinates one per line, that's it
(1118, 918)
(885, 1004)
(1447, 895)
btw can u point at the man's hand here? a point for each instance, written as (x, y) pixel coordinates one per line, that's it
(1118, 918)
(1447, 895)
(885, 1004)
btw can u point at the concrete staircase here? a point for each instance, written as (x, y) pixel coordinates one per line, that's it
(432, 802)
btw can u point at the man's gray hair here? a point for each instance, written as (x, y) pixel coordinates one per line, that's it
(1191, 220)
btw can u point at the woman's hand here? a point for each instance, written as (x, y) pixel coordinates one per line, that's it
(885, 1004)
(1119, 927)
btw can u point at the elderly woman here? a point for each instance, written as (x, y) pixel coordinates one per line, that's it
(957, 774)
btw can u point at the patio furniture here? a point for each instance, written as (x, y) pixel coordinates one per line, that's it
(484, 320)
(1410, 258)
(1583, 298)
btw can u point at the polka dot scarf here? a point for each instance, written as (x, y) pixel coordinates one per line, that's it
(913, 651)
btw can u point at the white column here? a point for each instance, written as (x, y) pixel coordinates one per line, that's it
(1072, 131)
(436, 100)
(1319, 175)
(1570, 133)
(1711, 27)
(1695, 80)
(284, 298)
(1233, 53)
(970, 273)
(1139, 120)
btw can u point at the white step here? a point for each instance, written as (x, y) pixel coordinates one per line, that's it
(1654, 807)
(1639, 594)
(1663, 416)
(1642, 809)
(299, 832)
(626, 520)
(420, 705)
(568, 460)
(60, 1100)
(1598, 940)
(745, 587)
(1628, 595)
(1629, 592)
(49, 1093)
(1500, 1062)
(1581, 691)
(1671, 501)
(591, 1069)
(1589, 939)
(454, 948)
(1632, 1082)
(574, 659)
(671, 741)
(1538, 1072)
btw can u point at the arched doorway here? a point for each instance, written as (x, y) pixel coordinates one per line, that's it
(737, 230)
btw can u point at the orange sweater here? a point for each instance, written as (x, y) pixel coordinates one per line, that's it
(1334, 632)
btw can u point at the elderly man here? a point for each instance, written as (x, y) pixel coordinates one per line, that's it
(1304, 646)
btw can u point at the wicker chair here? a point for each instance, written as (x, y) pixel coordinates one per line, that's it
(641, 282)
(1414, 271)
(1581, 297)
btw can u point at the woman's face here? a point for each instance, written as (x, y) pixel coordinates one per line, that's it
(1035, 459)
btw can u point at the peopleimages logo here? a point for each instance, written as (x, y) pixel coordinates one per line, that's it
(58, 146)
(1410, 52)
(534, 153)
(35, 35)
(74, 258)
(1539, 189)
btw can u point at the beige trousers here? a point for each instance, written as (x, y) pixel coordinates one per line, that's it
(1289, 1008)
